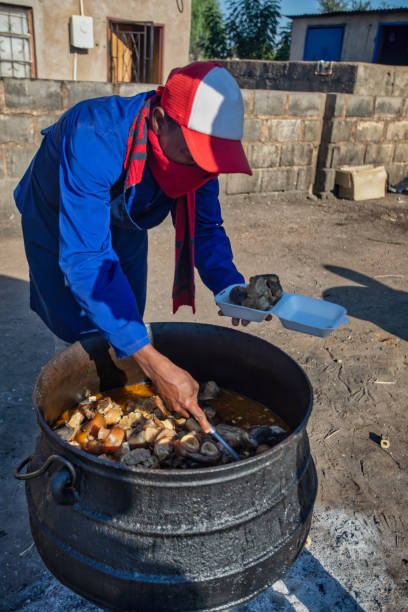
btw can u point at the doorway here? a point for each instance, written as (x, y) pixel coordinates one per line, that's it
(392, 44)
(324, 43)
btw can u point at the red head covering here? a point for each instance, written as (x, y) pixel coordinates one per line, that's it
(205, 100)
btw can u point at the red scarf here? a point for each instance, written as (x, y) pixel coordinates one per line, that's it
(179, 182)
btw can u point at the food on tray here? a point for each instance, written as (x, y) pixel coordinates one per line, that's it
(262, 292)
(132, 426)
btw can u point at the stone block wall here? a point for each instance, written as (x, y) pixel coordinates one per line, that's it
(294, 140)
(291, 76)
(363, 130)
(357, 78)
(281, 137)
(26, 107)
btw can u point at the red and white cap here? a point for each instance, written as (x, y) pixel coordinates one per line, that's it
(205, 100)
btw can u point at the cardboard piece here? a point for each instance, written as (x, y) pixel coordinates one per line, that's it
(361, 182)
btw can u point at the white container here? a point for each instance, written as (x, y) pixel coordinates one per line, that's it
(297, 312)
(234, 310)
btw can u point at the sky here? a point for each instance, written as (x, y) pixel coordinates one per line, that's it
(298, 7)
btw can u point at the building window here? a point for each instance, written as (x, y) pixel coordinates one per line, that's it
(135, 52)
(16, 42)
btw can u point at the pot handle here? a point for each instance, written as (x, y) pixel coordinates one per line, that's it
(44, 467)
(62, 486)
(62, 490)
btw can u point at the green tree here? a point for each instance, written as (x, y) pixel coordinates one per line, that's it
(283, 48)
(360, 5)
(331, 6)
(207, 35)
(215, 44)
(252, 26)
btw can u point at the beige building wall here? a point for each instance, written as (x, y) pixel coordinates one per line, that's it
(55, 57)
(359, 35)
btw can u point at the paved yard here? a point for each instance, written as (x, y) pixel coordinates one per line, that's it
(351, 253)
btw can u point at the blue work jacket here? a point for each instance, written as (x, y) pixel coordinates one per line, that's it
(86, 238)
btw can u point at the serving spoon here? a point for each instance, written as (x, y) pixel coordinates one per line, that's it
(225, 444)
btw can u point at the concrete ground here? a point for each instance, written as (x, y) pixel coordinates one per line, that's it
(351, 253)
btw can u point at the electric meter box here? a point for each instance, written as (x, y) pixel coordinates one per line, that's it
(82, 32)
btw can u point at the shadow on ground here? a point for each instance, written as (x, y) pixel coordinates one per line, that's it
(371, 301)
(25, 346)
(306, 586)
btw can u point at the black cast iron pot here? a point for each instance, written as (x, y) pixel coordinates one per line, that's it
(181, 540)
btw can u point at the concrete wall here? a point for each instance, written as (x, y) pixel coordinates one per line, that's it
(28, 106)
(362, 130)
(55, 58)
(360, 33)
(294, 140)
(281, 137)
(358, 78)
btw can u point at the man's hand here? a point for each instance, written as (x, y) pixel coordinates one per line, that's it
(174, 385)
(244, 322)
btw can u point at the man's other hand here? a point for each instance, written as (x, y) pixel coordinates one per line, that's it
(244, 322)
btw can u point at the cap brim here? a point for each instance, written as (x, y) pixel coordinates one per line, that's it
(216, 155)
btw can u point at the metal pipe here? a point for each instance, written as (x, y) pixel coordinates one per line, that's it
(151, 54)
(74, 68)
(144, 53)
(75, 64)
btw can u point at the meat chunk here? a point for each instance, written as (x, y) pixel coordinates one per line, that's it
(65, 432)
(76, 420)
(88, 410)
(209, 390)
(95, 425)
(113, 442)
(113, 415)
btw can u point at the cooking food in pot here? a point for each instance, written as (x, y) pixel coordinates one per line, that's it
(131, 425)
(262, 292)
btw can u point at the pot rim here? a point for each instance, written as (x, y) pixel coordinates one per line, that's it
(234, 466)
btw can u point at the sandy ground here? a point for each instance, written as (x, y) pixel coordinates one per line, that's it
(351, 253)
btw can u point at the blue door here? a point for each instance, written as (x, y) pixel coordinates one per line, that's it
(324, 43)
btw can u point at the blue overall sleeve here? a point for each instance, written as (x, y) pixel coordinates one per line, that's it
(213, 254)
(89, 164)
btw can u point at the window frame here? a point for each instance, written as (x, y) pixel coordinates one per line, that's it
(30, 36)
